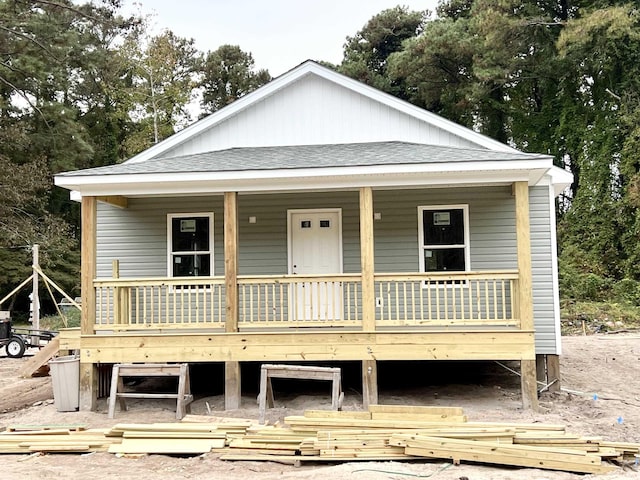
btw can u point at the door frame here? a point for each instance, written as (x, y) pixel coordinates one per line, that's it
(291, 212)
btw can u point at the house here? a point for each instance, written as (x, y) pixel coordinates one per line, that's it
(319, 219)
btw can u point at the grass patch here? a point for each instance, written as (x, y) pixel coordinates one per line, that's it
(56, 322)
(579, 317)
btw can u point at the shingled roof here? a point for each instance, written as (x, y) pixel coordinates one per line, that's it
(308, 156)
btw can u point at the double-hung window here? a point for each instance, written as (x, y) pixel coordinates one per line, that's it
(444, 238)
(190, 244)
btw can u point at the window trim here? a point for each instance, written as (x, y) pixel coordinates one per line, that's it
(421, 245)
(171, 253)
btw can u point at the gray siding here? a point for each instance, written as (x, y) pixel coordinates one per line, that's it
(542, 266)
(137, 236)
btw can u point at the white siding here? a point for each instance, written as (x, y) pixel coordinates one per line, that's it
(314, 111)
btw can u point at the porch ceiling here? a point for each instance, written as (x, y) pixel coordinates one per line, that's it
(306, 167)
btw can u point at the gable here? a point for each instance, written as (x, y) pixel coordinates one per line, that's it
(315, 111)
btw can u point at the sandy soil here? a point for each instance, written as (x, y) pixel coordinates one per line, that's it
(601, 396)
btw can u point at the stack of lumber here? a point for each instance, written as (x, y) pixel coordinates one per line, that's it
(384, 432)
(54, 439)
(388, 432)
(189, 437)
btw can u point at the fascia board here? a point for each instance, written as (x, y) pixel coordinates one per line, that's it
(73, 181)
(561, 179)
(198, 185)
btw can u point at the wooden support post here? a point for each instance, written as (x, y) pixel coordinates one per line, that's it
(232, 387)
(525, 290)
(367, 260)
(541, 368)
(553, 373)
(231, 260)
(88, 370)
(232, 381)
(369, 383)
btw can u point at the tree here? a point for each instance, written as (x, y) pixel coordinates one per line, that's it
(50, 55)
(164, 77)
(367, 52)
(228, 74)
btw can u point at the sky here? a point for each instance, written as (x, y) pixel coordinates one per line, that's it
(280, 34)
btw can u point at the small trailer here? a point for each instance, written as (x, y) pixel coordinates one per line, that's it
(17, 340)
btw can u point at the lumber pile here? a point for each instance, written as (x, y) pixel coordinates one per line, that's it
(54, 439)
(384, 432)
(388, 432)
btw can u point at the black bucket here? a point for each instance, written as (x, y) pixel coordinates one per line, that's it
(5, 329)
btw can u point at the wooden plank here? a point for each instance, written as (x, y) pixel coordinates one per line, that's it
(115, 200)
(41, 358)
(367, 260)
(309, 346)
(416, 409)
(337, 414)
(166, 445)
(420, 417)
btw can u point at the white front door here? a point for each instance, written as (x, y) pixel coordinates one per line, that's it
(315, 248)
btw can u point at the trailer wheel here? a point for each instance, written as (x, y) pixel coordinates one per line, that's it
(15, 347)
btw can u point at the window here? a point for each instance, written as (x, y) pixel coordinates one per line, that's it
(190, 244)
(444, 238)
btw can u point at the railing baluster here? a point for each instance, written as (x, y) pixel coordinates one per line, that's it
(504, 300)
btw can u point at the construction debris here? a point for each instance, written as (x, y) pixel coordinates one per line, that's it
(384, 432)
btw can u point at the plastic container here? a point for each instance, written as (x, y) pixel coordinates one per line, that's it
(65, 376)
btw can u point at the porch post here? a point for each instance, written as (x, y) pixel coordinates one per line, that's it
(525, 292)
(232, 391)
(369, 366)
(88, 370)
(367, 260)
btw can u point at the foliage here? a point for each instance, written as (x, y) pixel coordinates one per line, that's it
(589, 317)
(81, 86)
(56, 322)
(164, 76)
(228, 74)
(367, 52)
(551, 77)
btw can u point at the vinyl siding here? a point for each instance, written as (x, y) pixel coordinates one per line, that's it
(137, 236)
(313, 111)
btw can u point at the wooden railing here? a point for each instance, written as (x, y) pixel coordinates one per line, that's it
(300, 301)
(269, 301)
(160, 303)
(446, 299)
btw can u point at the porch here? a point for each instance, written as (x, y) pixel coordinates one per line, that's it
(365, 316)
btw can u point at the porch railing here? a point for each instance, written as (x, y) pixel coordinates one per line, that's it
(446, 299)
(160, 303)
(282, 301)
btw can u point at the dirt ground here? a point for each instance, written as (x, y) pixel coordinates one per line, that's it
(600, 397)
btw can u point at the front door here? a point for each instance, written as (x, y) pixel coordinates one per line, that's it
(315, 247)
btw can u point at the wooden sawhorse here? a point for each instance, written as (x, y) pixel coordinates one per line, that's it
(267, 372)
(180, 370)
